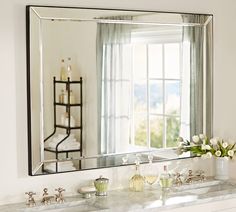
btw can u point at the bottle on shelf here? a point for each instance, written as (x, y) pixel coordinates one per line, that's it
(165, 178)
(72, 120)
(137, 181)
(72, 97)
(65, 99)
(63, 74)
(62, 96)
(69, 69)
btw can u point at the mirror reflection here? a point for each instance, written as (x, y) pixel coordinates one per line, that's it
(107, 87)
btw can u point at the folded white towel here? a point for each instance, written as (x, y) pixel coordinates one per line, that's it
(69, 144)
(66, 146)
(60, 137)
(62, 166)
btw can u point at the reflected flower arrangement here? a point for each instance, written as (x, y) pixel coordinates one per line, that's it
(204, 147)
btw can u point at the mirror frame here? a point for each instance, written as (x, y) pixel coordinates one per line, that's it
(28, 7)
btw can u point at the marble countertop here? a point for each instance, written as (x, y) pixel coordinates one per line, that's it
(150, 198)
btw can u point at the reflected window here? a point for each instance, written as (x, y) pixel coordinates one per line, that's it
(152, 85)
(156, 93)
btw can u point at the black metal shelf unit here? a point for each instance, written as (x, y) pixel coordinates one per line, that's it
(69, 127)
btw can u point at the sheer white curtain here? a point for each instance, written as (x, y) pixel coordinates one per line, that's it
(185, 92)
(192, 115)
(114, 71)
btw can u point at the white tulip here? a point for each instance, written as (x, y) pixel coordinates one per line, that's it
(208, 155)
(214, 141)
(231, 153)
(196, 139)
(203, 156)
(205, 147)
(225, 144)
(204, 142)
(202, 137)
(218, 153)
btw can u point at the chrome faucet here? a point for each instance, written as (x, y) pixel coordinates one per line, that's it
(190, 176)
(199, 176)
(30, 201)
(59, 197)
(177, 179)
(46, 198)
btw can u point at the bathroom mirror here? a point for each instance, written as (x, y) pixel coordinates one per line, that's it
(109, 87)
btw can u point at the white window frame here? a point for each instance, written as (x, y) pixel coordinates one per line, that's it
(167, 37)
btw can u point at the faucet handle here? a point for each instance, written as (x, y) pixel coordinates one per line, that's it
(30, 201)
(60, 190)
(30, 193)
(190, 172)
(59, 197)
(201, 174)
(45, 191)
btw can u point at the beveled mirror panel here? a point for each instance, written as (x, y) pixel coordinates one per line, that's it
(108, 87)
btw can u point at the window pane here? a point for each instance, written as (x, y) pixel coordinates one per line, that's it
(156, 96)
(155, 60)
(140, 124)
(139, 61)
(172, 61)
(172, 97)
(140, 96)
(156, 131)
(172, 131)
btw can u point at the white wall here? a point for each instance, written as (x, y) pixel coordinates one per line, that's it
(13, 155)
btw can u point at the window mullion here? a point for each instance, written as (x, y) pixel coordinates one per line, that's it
(132, 100)
(148, 101)
(164, 94)
(180, 80)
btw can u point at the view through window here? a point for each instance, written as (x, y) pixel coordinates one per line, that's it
(156, 91)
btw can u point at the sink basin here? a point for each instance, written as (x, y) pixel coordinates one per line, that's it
(197, 185)
(72, 206)
(205, 188)
(172, 201)
(79, 208)
(199, 191)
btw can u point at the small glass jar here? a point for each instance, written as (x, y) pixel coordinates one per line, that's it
(101, 185)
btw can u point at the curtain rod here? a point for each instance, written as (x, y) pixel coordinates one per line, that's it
(106, 21)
